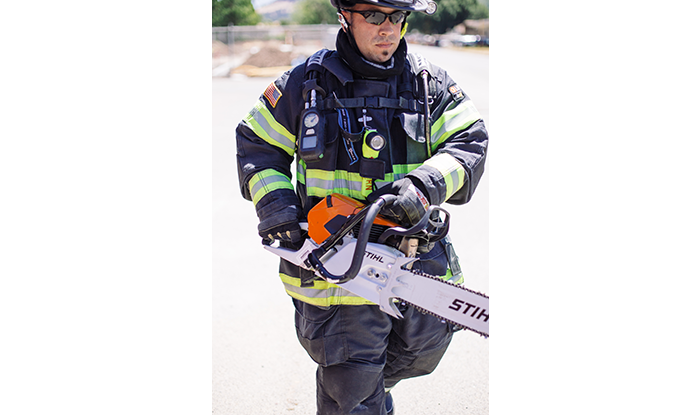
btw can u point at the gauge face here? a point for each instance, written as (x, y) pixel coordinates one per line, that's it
(311, 119)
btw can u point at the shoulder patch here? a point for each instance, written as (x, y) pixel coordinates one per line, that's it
(456, 92)
(273, 94)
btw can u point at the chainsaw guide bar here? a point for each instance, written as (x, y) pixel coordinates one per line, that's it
(381, 273)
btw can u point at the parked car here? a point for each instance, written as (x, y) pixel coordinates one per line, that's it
(445, 43)
(467, 40)
(429, 40)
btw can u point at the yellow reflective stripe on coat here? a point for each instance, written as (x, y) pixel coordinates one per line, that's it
(264, 125)
(265, 182)
(449, 276)
(325, 294)
(452, 171)
(322, 294)
(452, 121)
(401, 170)
(321, 183)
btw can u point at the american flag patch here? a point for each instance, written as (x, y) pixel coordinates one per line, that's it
(273, 94)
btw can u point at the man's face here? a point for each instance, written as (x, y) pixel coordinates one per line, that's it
(377, 43)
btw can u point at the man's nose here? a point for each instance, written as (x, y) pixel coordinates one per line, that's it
(386, 28)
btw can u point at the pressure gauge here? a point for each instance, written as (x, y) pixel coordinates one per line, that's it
(311, 119)
(311, 136)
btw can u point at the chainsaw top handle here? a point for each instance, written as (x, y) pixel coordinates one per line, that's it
(367, 216)
(437, 229)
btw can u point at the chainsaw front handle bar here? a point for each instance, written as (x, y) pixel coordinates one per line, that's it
(438, 230)
(367, 215)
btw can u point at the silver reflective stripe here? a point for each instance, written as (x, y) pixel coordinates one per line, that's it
(451, 170)
(452, 121)
(264, 125)
(266, 181)
(339, 182)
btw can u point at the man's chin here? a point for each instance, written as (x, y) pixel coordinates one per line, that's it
(383, 56)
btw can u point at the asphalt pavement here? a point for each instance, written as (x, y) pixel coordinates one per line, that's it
(258, 366)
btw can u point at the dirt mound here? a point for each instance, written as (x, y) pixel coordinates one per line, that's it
(218, 49)
(270, 56)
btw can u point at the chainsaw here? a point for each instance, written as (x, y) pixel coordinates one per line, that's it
(380, 254)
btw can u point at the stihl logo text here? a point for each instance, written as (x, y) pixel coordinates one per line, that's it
(374, 257)
(457, 305)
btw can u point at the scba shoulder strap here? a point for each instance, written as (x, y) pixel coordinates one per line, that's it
(419, 64)
(423, 73)
(314, 66)
(311, 137)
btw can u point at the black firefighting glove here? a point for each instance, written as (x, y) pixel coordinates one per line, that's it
(282, 225)
(410, 205)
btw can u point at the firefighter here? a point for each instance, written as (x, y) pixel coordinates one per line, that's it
(363, 120)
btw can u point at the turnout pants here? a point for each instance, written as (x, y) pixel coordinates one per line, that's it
(361, 350)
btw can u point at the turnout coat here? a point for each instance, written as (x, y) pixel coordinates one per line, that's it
(449, 163)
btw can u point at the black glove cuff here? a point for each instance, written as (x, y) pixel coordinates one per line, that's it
(275, 202)
(287, 216)
(423, 188)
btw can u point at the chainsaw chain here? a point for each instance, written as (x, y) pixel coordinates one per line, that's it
(442, 319)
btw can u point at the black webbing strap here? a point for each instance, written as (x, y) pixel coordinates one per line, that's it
(402, 103)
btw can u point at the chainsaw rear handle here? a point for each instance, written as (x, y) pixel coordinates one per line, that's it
(367, 216)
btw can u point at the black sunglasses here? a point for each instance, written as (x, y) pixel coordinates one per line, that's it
(376, 17)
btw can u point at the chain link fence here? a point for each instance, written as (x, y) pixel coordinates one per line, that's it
(322, 35)
(233, 45)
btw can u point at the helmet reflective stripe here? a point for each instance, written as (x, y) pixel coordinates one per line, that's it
(267, 181)
(453, 120)
(264, 125)
(424, 6)
(451, 170)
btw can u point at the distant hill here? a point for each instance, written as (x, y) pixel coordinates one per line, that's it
(276, 10)
(260, 3)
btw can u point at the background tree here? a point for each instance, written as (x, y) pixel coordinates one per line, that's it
(315, 12)
(449, 14)
(238, 12)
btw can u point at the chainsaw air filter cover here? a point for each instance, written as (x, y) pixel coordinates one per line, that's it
(330, 214)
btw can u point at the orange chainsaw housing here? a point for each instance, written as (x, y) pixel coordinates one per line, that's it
(331, 213)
